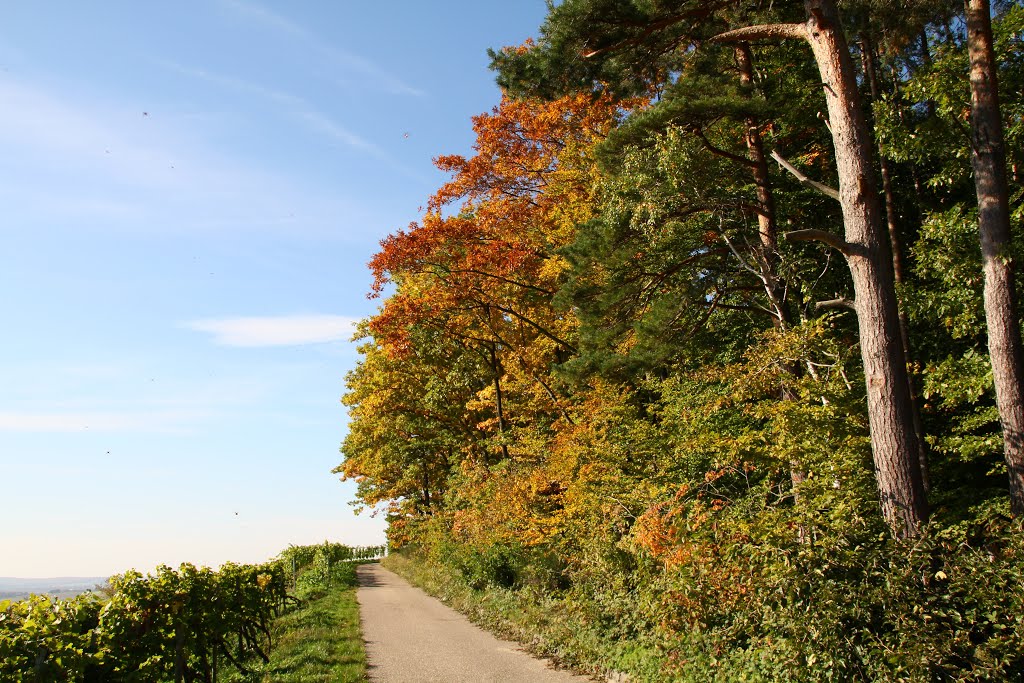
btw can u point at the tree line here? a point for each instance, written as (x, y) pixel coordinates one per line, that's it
(716, 332)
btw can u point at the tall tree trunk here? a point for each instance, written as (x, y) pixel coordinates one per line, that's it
(989, 162)
(896, 244)
(890, 413)
(768, 235)
(894, 443)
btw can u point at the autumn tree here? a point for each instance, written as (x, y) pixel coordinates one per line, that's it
(482, 265)
(633, 39)
(409, 424)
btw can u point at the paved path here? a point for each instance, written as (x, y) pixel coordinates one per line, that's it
(414, 638)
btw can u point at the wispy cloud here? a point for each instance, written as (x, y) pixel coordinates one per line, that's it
(109, 160)
(347, 61)
(233, 83)
(266, 17)
(287, 330)
(299, 109)
(336, 131)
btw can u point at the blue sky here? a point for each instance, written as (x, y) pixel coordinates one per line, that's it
(190, 192)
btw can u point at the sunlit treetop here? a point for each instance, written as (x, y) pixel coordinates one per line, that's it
(485, 249)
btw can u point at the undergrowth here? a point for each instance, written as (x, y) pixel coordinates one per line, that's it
(545, 626)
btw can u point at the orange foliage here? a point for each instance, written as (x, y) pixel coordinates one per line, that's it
(480, 257)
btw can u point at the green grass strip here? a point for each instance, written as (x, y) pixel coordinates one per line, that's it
(320, 642)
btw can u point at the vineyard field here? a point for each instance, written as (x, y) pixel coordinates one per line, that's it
(183, 625)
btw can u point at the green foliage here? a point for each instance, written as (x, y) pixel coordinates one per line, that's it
(332, 565)
(846, 603)
(297, 558)
(498, 565)
(404, 452)
(924, 125)
(43, 639)
(684, 488)
(174, 624)
(934, 136)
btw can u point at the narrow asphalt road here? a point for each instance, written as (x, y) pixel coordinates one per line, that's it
(414, 638)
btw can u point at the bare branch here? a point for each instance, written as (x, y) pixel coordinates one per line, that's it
(536, 326)
(763, 32)
(743, 262)
(823, 236)
(841, 302)
(804, 180)
(719, 151)
(474, 271)
(823, 118)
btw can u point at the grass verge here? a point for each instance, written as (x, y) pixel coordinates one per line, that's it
(320, 642)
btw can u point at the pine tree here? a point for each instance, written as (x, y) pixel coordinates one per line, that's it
(631, 44)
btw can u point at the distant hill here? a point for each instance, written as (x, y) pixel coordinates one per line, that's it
(13, 588)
